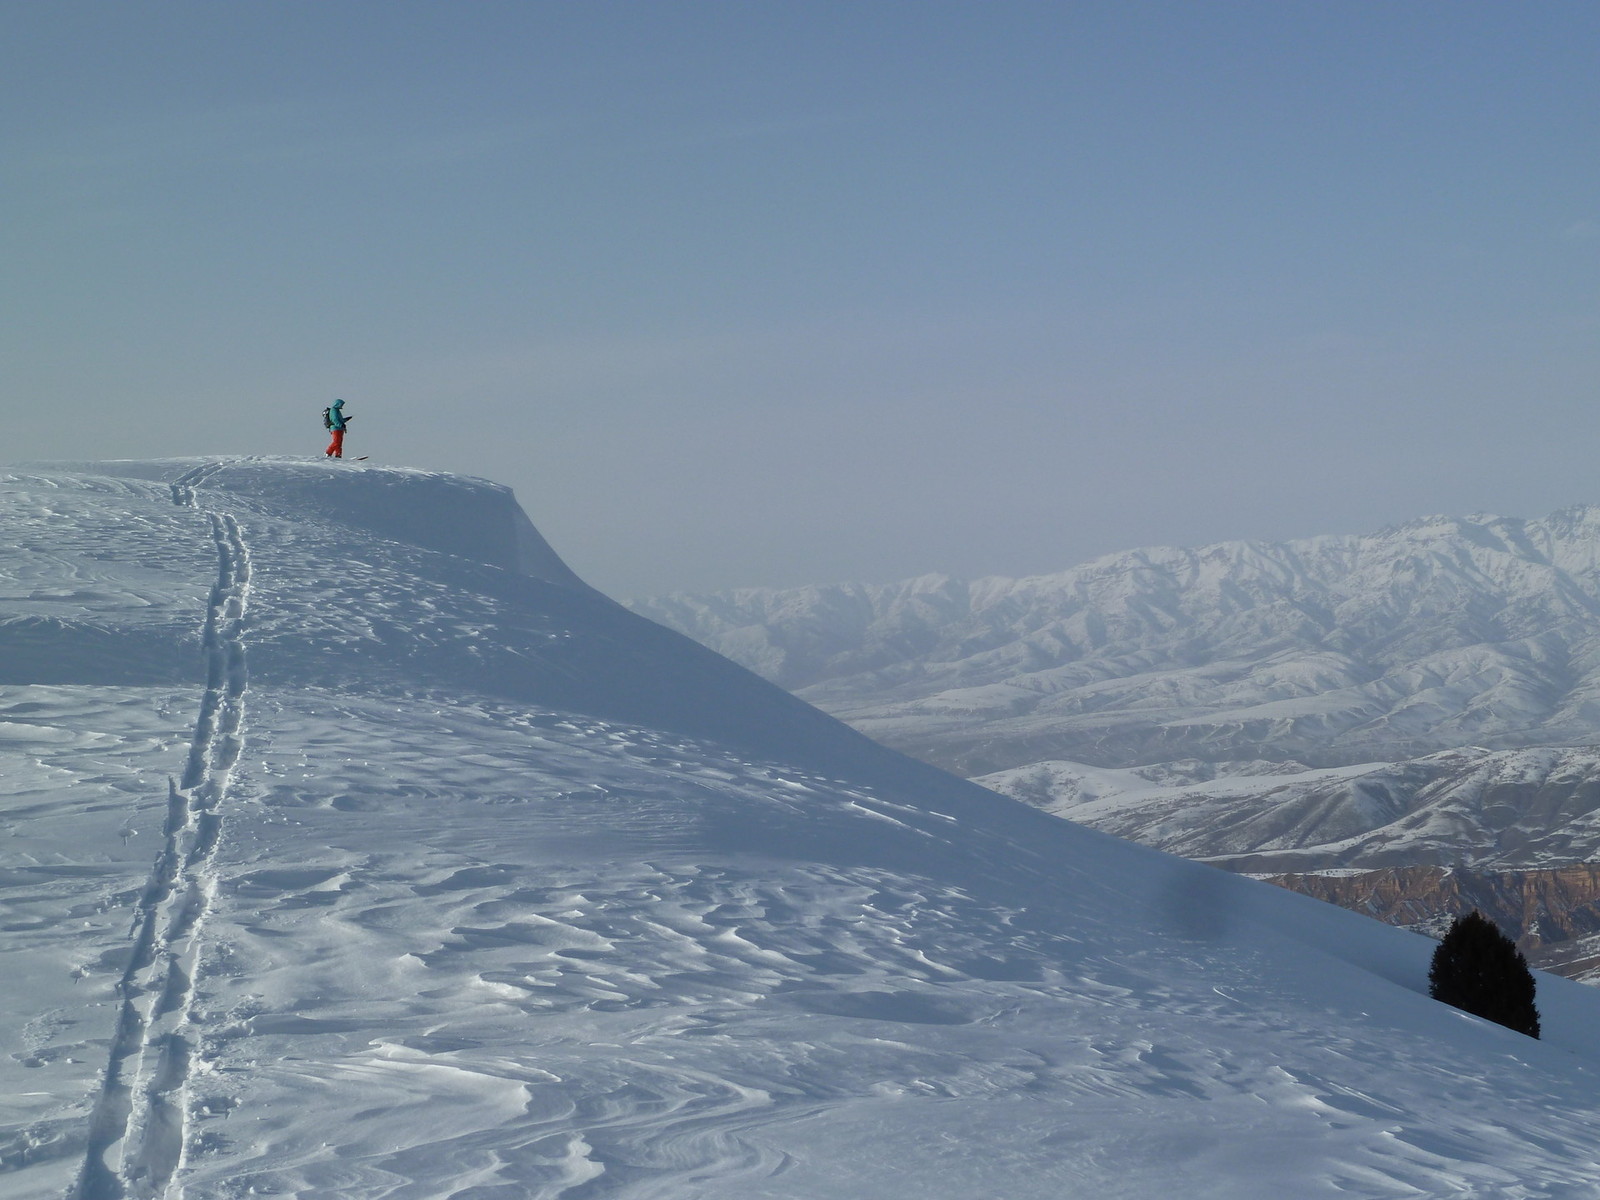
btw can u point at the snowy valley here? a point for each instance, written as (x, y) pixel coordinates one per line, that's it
(354, 847)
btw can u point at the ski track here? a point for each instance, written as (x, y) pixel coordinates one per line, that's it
(183, 487)
(137, 1130)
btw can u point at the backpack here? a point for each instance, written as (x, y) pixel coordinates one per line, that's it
(327, 418)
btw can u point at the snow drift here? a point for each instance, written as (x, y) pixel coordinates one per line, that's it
(349, 857)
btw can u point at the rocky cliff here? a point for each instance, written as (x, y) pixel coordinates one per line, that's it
(1554, 914)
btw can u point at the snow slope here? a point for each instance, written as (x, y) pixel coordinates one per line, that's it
(348, 857)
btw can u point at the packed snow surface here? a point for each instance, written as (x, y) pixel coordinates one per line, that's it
(351, 854)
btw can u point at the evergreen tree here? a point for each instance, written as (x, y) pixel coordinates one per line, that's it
(1479, 970)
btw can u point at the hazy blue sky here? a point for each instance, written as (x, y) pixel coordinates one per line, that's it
(773, 293)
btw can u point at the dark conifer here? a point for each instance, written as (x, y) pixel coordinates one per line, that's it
(1479, 970)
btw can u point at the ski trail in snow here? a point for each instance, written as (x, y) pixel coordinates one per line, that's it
(183, 487)
(137, 1131)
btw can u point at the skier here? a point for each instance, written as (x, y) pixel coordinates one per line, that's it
(334, 418)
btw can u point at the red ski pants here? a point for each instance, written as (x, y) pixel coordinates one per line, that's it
(336, 447)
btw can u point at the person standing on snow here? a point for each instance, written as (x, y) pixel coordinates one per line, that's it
(335, 420)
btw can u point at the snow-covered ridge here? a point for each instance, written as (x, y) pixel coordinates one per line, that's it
(454, 514)
(398, 577)
(341, 870)
(1485, 809)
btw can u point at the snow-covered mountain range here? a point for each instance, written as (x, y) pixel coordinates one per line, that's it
(1328, 651)
(355, 848)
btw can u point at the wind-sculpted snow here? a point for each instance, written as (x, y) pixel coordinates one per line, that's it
(470, 931)
(1329, 651)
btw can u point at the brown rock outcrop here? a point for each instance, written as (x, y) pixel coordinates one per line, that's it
(1553, 914)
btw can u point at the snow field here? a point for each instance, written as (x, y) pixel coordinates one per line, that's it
(421, 931)
(615, 1006)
